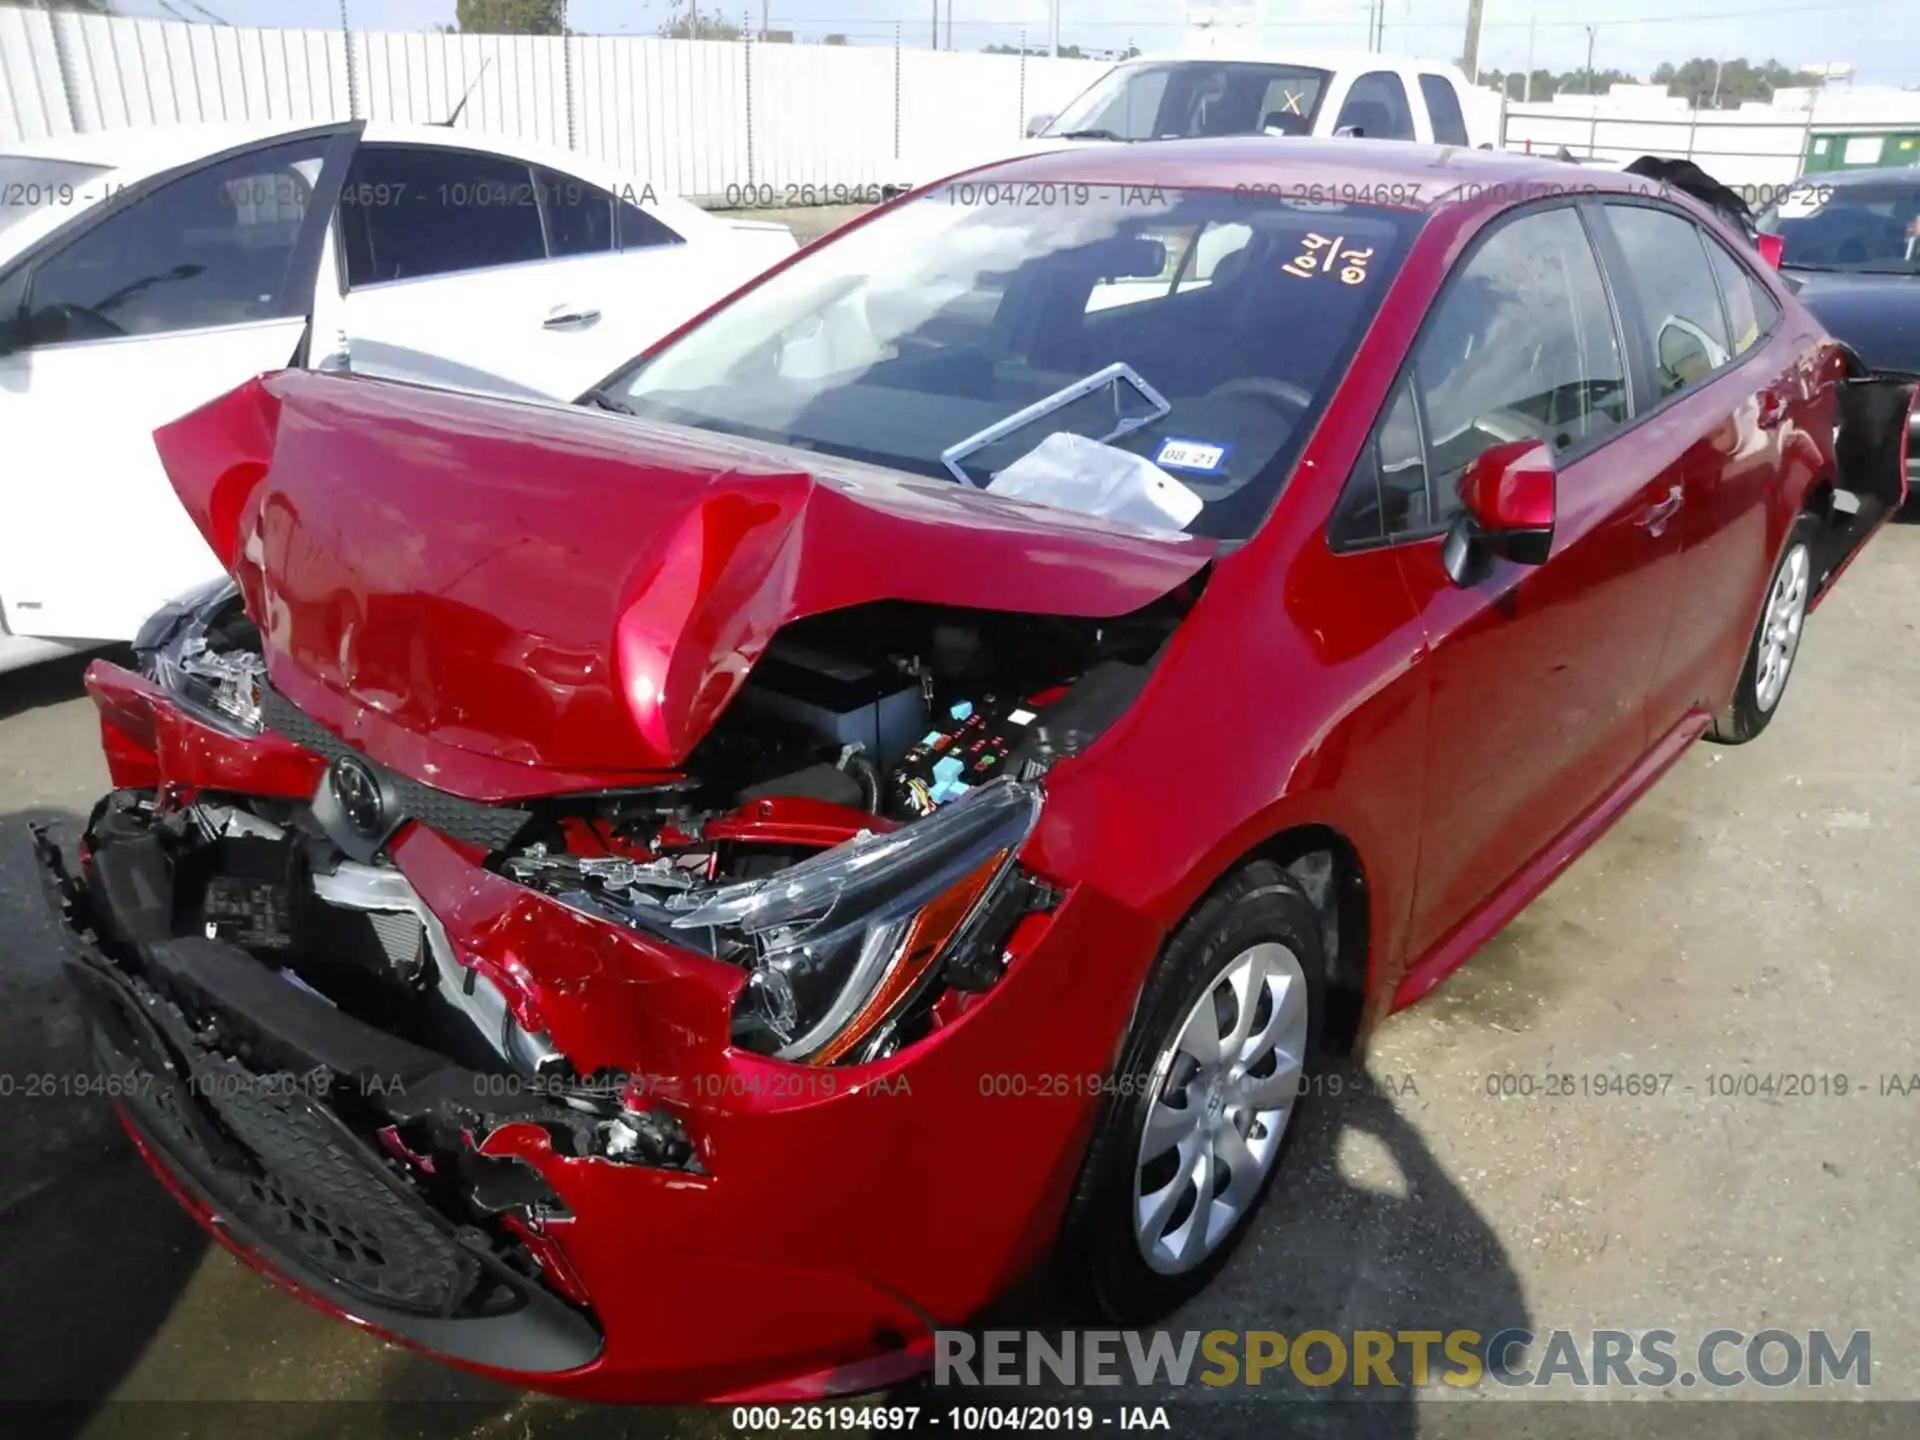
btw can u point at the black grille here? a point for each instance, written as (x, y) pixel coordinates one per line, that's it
(315, 1196)
(492, 827)
(288, 1170)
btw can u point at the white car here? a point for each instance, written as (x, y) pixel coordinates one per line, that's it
(144, 272)
(1221, 84)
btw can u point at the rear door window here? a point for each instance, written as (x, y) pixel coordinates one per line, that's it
(640, 231)
(410, 212)
(1666, 261)
(1377, 107)
(579, 215)
(1751, 311)
(1443, 109)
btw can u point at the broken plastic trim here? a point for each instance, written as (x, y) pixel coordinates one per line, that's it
(842, 943)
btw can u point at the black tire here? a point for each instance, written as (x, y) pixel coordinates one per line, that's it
(1104, 1266)
(1745, 717)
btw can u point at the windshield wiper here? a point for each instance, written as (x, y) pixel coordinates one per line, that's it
(606, 402)
(1066, 395)
(1091, 135)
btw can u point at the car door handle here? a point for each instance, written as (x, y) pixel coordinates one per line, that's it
(1773, 409)
(565, 317)
(1655, 517)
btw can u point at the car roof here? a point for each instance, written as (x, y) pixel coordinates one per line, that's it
(160, 147)
(1332, 169)
(1201, 47)
(1876, 175)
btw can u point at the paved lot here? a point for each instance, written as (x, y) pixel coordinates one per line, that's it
(1752, 917)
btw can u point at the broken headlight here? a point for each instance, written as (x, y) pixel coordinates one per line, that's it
(839, 946)
(204, 651)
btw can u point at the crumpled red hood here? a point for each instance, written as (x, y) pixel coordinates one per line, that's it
(504, 599)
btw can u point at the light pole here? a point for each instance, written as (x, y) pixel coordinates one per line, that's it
(1526, 93)
(1592, 31)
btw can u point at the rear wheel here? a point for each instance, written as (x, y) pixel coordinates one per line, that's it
(1776, 641)
(1224, 1036)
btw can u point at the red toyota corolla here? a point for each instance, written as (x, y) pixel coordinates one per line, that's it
(675, 897)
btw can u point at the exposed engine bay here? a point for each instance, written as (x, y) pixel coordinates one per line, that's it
(296, 1027)
(883, 762)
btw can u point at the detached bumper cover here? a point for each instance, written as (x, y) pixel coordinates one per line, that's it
(254, 1147)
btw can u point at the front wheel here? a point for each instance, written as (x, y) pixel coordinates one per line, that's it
(1222, 1042)
(1776, 641)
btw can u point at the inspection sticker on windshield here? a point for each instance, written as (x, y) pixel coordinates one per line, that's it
(1311, 262)
(1178, 454)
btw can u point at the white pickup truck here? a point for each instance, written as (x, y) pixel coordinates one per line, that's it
(1221, 85)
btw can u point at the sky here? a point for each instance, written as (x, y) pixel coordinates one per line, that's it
(1880, 37)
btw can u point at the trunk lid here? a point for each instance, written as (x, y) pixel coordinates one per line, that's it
(505, 599)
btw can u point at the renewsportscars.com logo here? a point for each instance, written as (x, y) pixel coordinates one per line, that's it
(1551, 1360)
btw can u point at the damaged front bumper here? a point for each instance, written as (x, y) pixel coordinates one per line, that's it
(233, 1085)
(667, 1217)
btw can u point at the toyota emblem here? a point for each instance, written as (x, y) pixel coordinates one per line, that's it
(358, 791)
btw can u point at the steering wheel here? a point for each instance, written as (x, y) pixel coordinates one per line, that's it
(1264, 387)
(75, 322)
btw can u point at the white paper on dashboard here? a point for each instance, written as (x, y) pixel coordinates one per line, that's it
(1075, 473)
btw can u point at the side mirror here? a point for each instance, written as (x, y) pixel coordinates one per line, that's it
(1037, 123)
(1772, 248)
(1686, 353)
(1507, 502)
(1350, 132)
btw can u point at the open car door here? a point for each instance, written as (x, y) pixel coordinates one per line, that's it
(169, 294)
(1871, 453)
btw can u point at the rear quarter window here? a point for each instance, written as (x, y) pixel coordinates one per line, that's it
(1443, 109)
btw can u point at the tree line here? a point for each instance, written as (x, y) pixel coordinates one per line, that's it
(1704, 83)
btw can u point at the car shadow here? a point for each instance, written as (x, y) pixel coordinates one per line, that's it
(1364, 1230)
(93, 1254)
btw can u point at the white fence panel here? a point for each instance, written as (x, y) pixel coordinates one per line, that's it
(1053, 84)
(823, 117)
(718, 120)
(1741, 149)
(512, 84)
(34, 103)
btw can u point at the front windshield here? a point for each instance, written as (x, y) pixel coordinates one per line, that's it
(1194, 97)
(914, 340)
(1869, 226)
(29, 185)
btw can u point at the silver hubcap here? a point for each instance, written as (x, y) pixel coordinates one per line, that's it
(1223, 1091)
(1780, 628)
